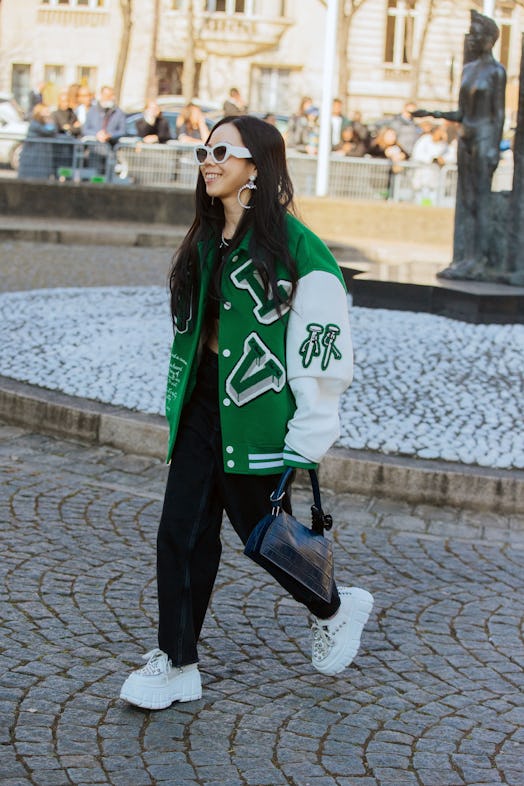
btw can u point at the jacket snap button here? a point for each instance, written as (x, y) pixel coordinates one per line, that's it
(226, 353)
(235, 258)
(230, 463)
(230, 449)
(226, 402)
(227, 305)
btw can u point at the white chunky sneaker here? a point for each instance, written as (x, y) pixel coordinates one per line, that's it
(336, 640)
(158, 684)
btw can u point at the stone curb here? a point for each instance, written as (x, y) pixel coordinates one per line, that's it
(104, 235)
(342, 471)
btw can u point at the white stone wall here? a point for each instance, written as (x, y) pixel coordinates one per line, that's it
(37, 35)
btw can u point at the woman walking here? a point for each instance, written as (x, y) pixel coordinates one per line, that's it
(261, 354)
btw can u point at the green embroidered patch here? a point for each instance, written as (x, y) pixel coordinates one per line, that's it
(320, 341)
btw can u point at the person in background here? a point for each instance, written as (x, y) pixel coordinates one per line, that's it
(405, 127)
(431, 146)
(385, 145)
(351, 144)
(313, 131)
(72, 95)
(37, 157)
(84, 103)
(191, 125)
(260, 357)
(430, 150)
(297, 132)
(65, 118)
(67, 127)
(105, 120)
(271, 118)
(338, 122)
(360, 127)
(234, 104)
(153, 127)
(36, 96)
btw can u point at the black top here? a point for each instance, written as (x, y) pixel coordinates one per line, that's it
(160, 127)
(214, 293)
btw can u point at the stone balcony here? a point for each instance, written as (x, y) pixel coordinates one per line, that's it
(239, 35)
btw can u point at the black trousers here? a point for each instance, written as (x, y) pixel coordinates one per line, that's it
(188, 544)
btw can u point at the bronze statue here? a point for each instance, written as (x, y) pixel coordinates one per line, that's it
(481, 114)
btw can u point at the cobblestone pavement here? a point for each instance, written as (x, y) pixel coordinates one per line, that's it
(434, 697)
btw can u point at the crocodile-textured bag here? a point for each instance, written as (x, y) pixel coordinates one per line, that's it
(302, 552)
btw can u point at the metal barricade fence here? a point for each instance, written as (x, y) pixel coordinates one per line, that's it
(376, 179)
(172, 165)
(66, 158)
(424, 184)
(349, 178)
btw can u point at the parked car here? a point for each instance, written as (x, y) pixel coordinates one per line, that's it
(171, 117)
(280, 121)
(171, 106)
(13, 130)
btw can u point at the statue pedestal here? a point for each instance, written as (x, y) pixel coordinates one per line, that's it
(415, 287)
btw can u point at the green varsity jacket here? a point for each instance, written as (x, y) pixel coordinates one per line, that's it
(280, 376)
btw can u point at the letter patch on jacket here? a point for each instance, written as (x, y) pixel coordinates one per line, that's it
(320, 341)
(257, 371)
(247, 277)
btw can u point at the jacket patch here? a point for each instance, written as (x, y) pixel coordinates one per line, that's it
(177, 368)
(265, 311)
(257, 371)
(320, 341)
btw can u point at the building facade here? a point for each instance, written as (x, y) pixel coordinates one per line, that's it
(389, 51)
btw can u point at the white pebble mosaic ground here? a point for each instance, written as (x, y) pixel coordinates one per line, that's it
(424, 385)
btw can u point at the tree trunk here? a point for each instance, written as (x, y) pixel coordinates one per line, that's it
(188, 74)
(418, 56)
(347, 11)
(126, 7)
(152, 84)
(344, 27)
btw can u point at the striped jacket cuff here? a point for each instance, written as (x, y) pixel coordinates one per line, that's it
(292, 459)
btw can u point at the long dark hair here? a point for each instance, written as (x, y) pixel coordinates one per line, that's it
(270, 202)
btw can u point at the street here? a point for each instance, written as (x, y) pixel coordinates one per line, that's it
(434, 697)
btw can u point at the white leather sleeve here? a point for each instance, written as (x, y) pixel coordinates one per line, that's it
(319, 358)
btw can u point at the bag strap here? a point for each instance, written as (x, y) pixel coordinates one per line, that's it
(320, 520)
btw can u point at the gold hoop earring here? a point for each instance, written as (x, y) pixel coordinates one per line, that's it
(251, 186)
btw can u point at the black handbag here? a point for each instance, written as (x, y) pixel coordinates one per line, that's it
(302, 552)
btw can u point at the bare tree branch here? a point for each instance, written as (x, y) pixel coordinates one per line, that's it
(347, 11)
(152, 86)
(418, 59)
(126, 7)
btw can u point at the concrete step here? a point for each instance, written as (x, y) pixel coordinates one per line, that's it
(342, 471)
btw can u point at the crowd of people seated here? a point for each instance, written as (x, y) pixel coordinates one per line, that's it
(398, 138)
(78, 115)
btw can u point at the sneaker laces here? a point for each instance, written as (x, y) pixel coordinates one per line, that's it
(157, 663)
(322, 639)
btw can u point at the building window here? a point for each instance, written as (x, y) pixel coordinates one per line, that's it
(399, 32)
(54, 82)
(270, 89)
(21, 84)
(169, 77)
(229, 7)
(74, 3)
(504, 45)
(86, 76)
